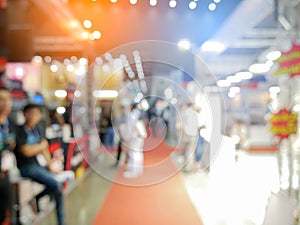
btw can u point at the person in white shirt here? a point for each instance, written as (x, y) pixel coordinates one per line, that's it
(190, 133)
(136, 133)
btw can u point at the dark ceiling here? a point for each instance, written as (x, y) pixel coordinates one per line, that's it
(122, 22)
(249, 27)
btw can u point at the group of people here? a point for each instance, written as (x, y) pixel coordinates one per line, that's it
(26, 142)
(130, 134)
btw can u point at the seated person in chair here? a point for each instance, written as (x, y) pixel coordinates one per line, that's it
(30, 144)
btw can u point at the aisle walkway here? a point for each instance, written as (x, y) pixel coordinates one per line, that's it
(228, 201)
(156, 197)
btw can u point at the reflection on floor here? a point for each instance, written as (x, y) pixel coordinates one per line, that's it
(237, 197)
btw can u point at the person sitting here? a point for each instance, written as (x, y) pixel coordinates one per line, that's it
(7, 143)
(30, 144)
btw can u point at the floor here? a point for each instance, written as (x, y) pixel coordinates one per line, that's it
(237, 197)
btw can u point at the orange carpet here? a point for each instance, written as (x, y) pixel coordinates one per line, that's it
(159, 196)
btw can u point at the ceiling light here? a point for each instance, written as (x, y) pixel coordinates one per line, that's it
(233, 79)
(223, 83)
(105, 68)
(113, 1)
(273, 55)
(217, 1)
(172, 3)
(85, 35)
(87, 24)
(259, 68)
(60, 93)
(105, 93)
(61, 110)
(70, 68)
(133, 2)
(83, 61)
(212, 6)
(97, 34)
(37, 59)
(54, 68)
(244, 75)
(184, 44)
(48, 59)
(99, 60)
(74, 24)
(213, 46)
(193, 5)
(153, 2)
(77, 93)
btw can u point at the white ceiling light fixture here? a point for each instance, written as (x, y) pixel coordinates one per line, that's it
(259, 68)
(97, 34)
(60, 110)
(212, 6)
(193, 5)
(54, 68)
(70, 68)
(217, 1)
(223, 83)
(273, 55)
(246, 75)
(153, 2)
(87, 24)
(172, 3)
(133, 2)
(105, 93)
(47, 59)
(184, 44)
(233, 79)
(113, 1)
(106, 68)
(213, 47)
(60, 93)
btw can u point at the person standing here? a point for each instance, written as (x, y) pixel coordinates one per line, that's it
(30, 144)
(7, 142)
(121, 121)
(109, 135)
(135, 143)
(190, 133)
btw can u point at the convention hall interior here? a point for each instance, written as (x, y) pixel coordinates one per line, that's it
(172, 112)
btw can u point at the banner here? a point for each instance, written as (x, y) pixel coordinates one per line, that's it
(283, 123)
(289, 62)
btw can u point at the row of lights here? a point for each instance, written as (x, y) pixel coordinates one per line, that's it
(95, 35)
(173, 3)
(257, 68)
